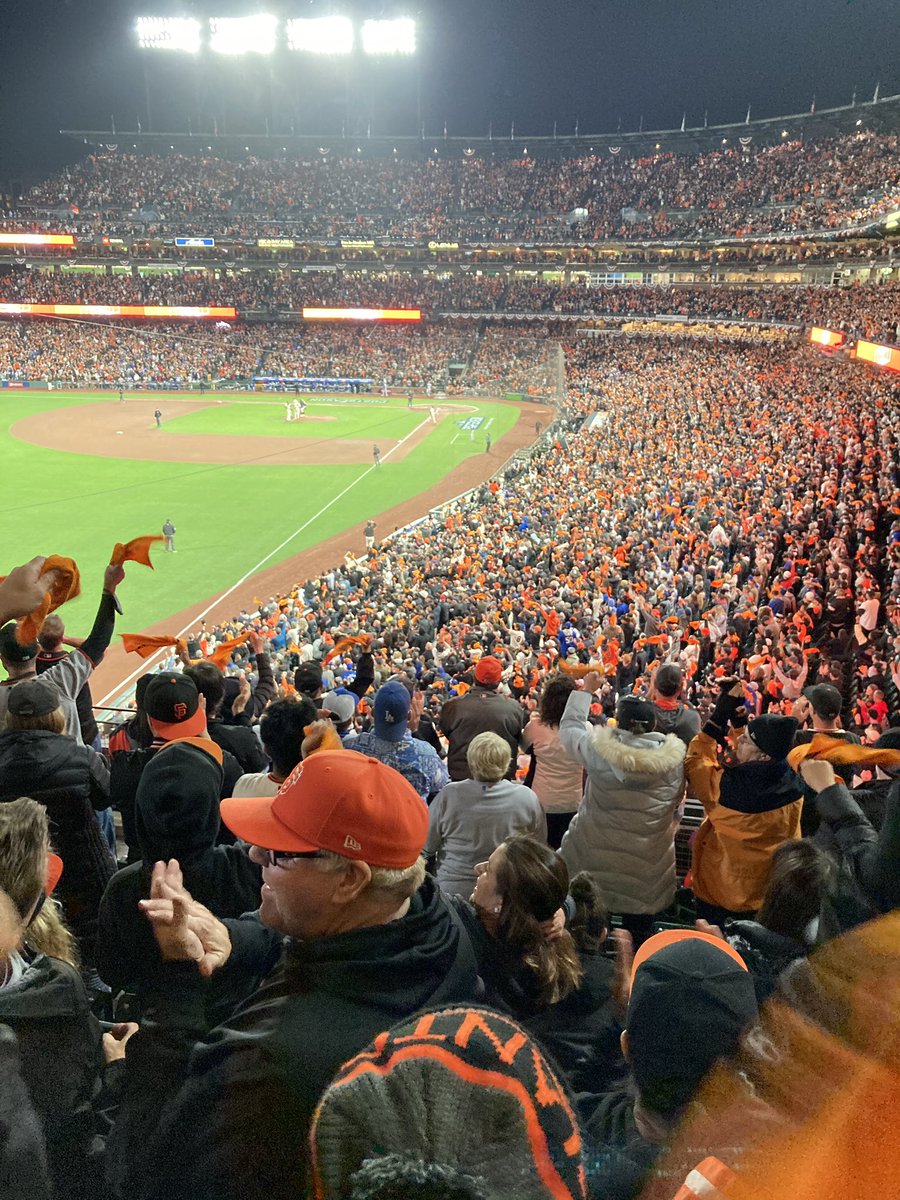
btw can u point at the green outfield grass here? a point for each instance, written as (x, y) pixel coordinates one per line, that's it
(228, 517)
(372, 420)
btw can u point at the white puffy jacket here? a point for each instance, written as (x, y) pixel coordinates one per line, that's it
(624, 831)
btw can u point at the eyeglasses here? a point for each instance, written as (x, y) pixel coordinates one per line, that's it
(280, 858)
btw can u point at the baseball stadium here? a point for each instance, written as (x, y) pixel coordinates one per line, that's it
(450, 610)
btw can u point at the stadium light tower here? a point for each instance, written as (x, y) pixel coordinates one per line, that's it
(168, 33)
(243, 35)
(389, 37)
(320, 35)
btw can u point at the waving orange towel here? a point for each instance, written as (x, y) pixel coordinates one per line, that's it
(343, 644)
(137, 550)
(146, 644)
(222, 654)
(66, 586)
(839, 753)
(579, 670)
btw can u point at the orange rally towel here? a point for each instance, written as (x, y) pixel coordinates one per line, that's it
(840, 753)
(579, 670)
(222, 654)
(66, 587)
(137, 550)
(344, 644)
(146, 644)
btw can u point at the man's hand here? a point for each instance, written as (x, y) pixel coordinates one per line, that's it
(242, 699)
(592, 682)
(817, 774)
(256, 642)
(23, 589)
(112, 577)
(416, 708)
(801, 709)
(184, 930)
(115, 1039)
(713, 930)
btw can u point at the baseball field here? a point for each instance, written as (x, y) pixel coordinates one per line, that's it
(258, 501)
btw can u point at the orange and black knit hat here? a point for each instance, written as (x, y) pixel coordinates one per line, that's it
(465, 1089)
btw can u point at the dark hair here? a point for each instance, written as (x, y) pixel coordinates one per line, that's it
(590, 924)
(210, 684)
(798, 880)
(556, 692)
(534, 881)
(281, 729)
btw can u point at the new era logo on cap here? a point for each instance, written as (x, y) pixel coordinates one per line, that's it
(325, 797)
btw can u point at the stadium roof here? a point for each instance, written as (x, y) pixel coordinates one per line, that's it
(882, 115)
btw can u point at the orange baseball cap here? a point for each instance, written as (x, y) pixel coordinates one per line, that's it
(54, 872)
(341, 801)
(670, 936)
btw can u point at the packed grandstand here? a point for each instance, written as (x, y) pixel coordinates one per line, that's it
(637, 691)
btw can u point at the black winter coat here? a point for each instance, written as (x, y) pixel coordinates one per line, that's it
(62, 1066)
(71, 781)
(229, 1118)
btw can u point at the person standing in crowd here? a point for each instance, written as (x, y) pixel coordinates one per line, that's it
(557, 776)
(176, 816)
(472, 817)
(71, 673)
(751, 805)
(391, 742)
(51, 640)
(624, 831)
(673, 715)
(281, 732)
(507, 1125)
(72, 1071)
(369, 535)
(690, 999)
(351, 937)
(481, 710)
(172, 704)
(72, 783)
(169, 534)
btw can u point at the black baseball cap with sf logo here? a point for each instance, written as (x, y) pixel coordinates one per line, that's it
(172, 705)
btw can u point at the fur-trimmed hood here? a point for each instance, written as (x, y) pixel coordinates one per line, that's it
(638, 753)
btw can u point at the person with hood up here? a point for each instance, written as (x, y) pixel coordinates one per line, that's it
(176, 816)
(624, 831)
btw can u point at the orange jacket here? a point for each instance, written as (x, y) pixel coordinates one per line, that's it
(746, 821)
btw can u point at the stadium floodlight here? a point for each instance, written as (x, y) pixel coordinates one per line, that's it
(389, 37)
(320, 35)
(243, 35)
(168, 33)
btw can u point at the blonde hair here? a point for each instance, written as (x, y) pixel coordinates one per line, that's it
(24, 845)
(400, 883)
(51, 722)
(488, 757)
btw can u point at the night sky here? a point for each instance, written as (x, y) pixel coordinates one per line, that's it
(74, 63)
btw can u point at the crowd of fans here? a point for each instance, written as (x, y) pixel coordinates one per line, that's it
(793, 186)
(865, 310)
(99, 355)
(690, 586)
